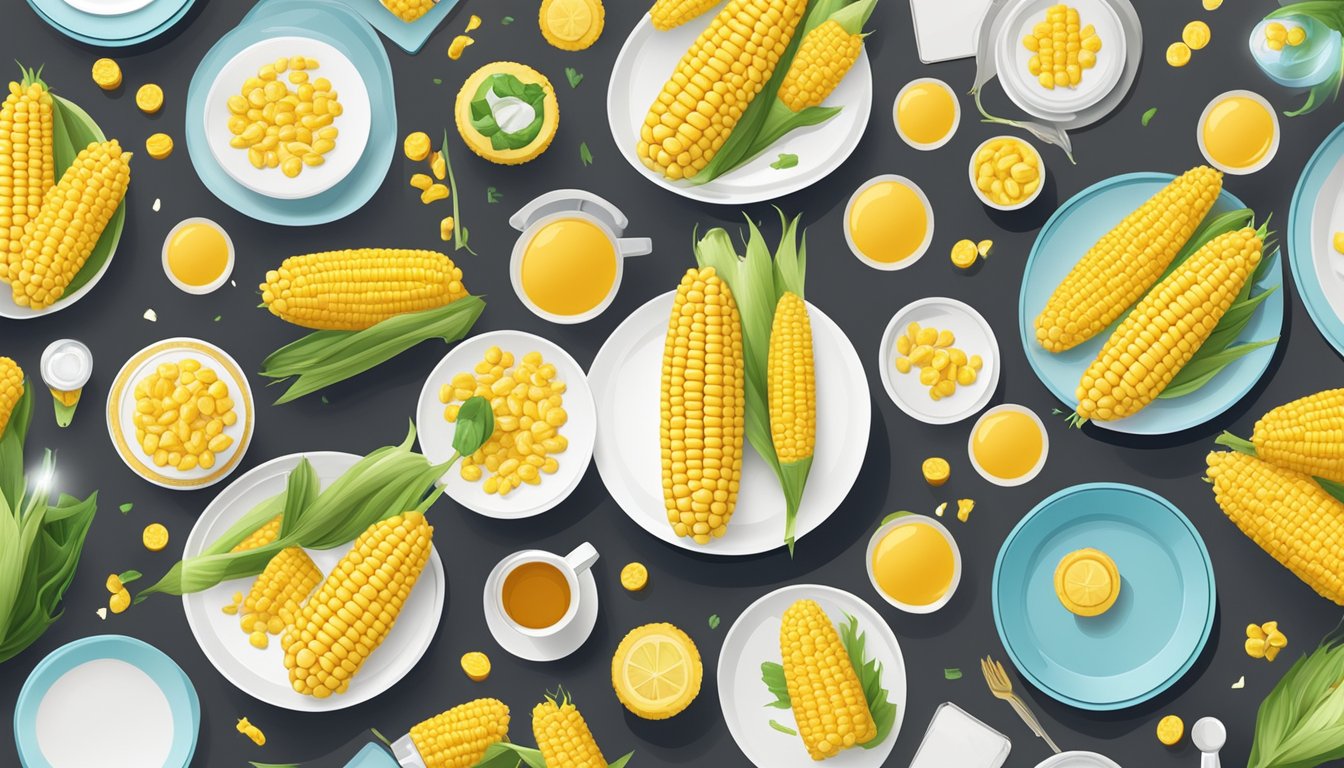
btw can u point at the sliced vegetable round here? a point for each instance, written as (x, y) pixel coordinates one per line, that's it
(507, 112)
(571, 25)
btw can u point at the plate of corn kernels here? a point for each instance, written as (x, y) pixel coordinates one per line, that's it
(180, 414)
(288, 117)
(939, 360)
(1057, 59)
(545, 423)
(774, 631)
(243, 625)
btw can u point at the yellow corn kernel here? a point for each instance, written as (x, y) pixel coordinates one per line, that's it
(251, 731)
(120, 601)
(446, 229)
(416, 146)
(435, 192)
(458, 45)
(159, 146)
(936, 471)
(107, 74)
(476, 665)
(964, 507)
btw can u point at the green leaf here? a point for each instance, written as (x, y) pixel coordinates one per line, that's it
(622, 760)
(475, 425)
(870, 676)
(492, 195)
(508, 755)
(126, 507)
(1331, 487)
(301, 488)
(585, 156)
(126, 577)
(782, 728)
(460, 233)
(506, 86)
(951, 673)
(1300, 723)
(1147, 116)
(507, 20)
(785, 160)
(714, 621)
(772, 674)
(573, 76)
(1197, 374)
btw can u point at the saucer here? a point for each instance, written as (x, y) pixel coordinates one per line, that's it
(554, 647)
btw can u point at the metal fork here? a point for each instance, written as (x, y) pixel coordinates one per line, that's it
(1002, 687)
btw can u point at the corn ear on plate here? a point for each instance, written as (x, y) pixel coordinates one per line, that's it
(1011, 58)
(261, 673)
(626, 377)
(121, 409)
(436, 434)
(1145, 642)
(643, 66)
(353, 123)
(973, 336)
(1317, 213)
(1070, 231)
(755, 637)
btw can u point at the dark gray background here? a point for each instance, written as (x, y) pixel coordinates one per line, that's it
(685, 588)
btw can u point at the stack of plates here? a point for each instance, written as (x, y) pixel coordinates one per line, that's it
(352, 56)
(111, 23)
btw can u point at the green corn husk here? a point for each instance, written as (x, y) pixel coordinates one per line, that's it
(757, 281)
(1301, 722)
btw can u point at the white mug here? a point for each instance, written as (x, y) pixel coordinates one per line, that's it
(571, 566)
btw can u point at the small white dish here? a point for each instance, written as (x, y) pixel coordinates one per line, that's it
(436, 433)
(67, 365)
(1077, 759)
(121, 410)
(914, 519)
(895, 116)
(1011, 59)
(1273, 147)
(214, 285)
(973, 336)
(891, 266)
(354, 122)
(1040, 166)
(108, 7)
(548, 647)
(1040, 463)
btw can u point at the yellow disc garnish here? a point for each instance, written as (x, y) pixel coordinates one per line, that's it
(656, 671)
(159, 146)
(1178, 54)
(571, 25)
(634, 577)
(149, 98)
(114, 584)
(1196, 35)
(416, 146)
(107, 74)
(476, 665)
(936, 471)
(1170, 729)
(1087, 582)
(155, 537)
(964, 254)
(120, 601)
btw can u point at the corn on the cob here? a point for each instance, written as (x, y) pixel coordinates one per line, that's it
(74, 213)
(828, 701)
(262, 536)
(670, 14)
(1167, 328)
(1306, 435)
(277, 594)
(409, 10)
(725, 68)
(354, 609)
(791, 381)
(822, 61)
(11, 389)
(355, 289)
(702, 407)
(563, 736)
(459, 737)
(1126, 261)
(27, 161)
(1288, 514)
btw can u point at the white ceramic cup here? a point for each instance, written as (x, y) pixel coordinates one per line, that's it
(210, 287)
(911, 518)
(573, 204)
(571, 566)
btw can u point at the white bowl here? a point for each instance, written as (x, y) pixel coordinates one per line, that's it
(956, 115)
(210, 287)
(354, 121)
(928, 232)
(974, 336)
(1040, 165)
(1273, 147)
(1040, 462)
(913, 519)
(1011, 59)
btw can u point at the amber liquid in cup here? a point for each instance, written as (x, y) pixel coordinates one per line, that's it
(536, 595)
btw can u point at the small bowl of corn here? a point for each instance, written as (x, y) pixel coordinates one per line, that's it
(1006, 173)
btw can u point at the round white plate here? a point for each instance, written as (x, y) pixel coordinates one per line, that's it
(1078, 760)
(754, 638)
(1011, 59)
(974, 337)
(436, 434)
(353, 122)
(108, 7)
(557, 646)
(261, 673)
(643, 66)
(121, 411)
(1325, 214)
(625, 377)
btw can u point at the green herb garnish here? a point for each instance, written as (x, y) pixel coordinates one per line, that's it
(952, 673)
(714, 621)
(585, 156)
(782, 728)
(505, 86)
(507, 20)
(573, 76)
(126, 507)
(785, 161)
(492, 195)
(126, 577)
(1148, 117)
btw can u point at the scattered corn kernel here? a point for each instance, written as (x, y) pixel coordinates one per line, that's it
(1212, 5)
(1297, 36)
(252, 732)
(1178, 54)
(446, 229)
(1264, 641)
(182, 410)
(1061, 48)
(984, 247)
(107, 74)
(942, 367)
(1196, 35)
(964, 254)
(149, 98)
(936, 471)
(438, 165)
(435, 192)
(1339, 242)
(473, 23)
(114, 584)
(1170, 729)
(155, 537)
(120, 601)
(159, 146)
(1007, 171)
(416, 146)
(940, 509)
(285, 123)
(458, 45)
(476, 665)
(421, 181)
(634, 577)
(964, 507)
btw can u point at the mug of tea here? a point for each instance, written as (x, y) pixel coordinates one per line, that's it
(568, 261)
(537, 592)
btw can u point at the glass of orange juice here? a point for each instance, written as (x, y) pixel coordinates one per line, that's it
(198, 255)
(568, 261)
(914, 563)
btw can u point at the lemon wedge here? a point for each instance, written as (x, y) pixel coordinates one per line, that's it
(656, 671)
(1087, 582)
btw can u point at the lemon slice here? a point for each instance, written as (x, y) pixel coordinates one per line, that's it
(572, 25)
(1087, 582)
(656, 671)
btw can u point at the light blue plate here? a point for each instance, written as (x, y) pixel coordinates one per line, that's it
(408, 37)
(112, 31)
(170, 678)
(1073, 228)
(1317, 172)
(331, 22)
(1155, 630)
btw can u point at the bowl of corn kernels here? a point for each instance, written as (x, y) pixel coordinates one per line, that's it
(1007, 173)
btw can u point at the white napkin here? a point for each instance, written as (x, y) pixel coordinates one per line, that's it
(945, 29)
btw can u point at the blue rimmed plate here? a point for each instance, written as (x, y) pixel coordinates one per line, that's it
(326, 21)
(1317, 212)
(110, 701)
(1158, 625)
(115, 30)
(1073, 228)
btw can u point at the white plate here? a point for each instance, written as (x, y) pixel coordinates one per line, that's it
(261, 673)
(1078, 760)
(643, 66)
(108, 7)
(353, 122)
(973, 336)
(121, 410)
(625, 378)
(557, 646)
(1011, 59)
(754, 638)
(436, 434)
(1327, 218)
